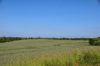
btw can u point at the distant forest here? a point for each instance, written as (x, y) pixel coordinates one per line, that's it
(8, 39)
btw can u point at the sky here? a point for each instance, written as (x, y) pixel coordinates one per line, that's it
(50, 18)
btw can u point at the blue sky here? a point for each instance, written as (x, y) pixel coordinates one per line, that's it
(50, 18)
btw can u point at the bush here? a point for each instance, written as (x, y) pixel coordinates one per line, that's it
(91, 41)
(95, 42)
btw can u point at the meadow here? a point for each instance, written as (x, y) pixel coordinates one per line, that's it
(46, 52)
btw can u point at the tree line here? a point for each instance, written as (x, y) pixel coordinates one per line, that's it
(8, 39)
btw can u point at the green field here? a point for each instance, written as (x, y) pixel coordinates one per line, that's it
(45, 52)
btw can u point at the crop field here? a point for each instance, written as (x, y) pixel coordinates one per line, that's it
(45, 52)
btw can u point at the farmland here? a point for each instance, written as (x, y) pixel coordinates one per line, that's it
(45, 52)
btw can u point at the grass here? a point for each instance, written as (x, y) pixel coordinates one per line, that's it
(44, 52)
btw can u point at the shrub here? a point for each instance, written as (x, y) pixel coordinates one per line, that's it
(95, 42)
(91, 41)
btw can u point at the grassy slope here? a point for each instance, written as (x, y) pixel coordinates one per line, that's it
(37, 52)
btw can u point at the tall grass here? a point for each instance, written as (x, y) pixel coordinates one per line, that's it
(74, 58)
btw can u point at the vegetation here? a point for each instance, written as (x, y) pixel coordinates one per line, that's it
(75, 59)
(44, 52)
(91, 41)
(95, 42)
(8, 39)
